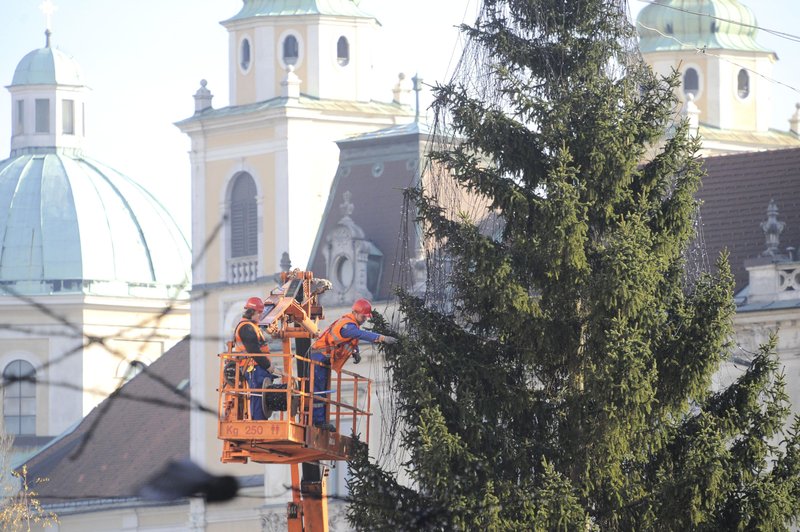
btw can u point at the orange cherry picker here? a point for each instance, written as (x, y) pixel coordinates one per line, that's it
(288, 436)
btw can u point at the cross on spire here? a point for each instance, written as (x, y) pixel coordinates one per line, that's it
(48, 8)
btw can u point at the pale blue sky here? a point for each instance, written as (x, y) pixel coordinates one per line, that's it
(143, 61)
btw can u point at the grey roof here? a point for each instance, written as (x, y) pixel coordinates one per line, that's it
(47, 66)
(393, 132)
(770, 305)
(286, 8)
(71, 224)
(127, 438)
(770, 139)
(304, 102)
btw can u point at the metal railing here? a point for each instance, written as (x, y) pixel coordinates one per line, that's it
(294, 395)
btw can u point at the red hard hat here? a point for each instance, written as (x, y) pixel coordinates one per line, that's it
(255, 303)
(363, 306)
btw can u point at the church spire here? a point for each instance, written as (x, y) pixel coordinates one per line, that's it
(48, 8)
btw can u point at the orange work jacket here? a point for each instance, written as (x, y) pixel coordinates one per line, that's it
(332, 343)
(238, 345)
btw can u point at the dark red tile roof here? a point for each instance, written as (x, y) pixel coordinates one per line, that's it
(128, 437)
(736, 193)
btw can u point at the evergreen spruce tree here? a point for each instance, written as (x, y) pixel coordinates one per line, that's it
(567, 383)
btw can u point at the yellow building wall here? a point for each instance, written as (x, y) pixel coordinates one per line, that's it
(131, 335)
(744, 109)
(73, 376)
(718, 99)
(246, 85)
(219, 175)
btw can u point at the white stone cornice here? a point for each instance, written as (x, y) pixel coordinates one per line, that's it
(254, 149)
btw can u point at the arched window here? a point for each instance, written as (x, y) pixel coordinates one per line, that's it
(244, 217)
(244, 54)
(743, 84)
(291, 50)
(691, 82)
(343, 51)
(19, 398)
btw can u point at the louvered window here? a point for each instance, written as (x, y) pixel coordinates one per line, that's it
(244, 214)
(19, 398)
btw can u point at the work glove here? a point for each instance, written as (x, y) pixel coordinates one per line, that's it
(389, 340)
(356, 357)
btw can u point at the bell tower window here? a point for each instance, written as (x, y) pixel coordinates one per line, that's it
(743, 84)
(291, 50)
(244, 54)
(691, 82)
(343, 51)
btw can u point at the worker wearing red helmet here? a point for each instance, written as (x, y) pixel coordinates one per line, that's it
(335, 346)
(249, 338)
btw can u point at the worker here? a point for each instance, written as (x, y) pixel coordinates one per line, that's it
(249, 338)
(334, 346)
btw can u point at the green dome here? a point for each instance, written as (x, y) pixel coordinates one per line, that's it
(48, 66)
(287, 8)
(690, 24)
(71, 224)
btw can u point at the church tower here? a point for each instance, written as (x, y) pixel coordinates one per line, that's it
(94, 271)
(725, 73)
(262, 167)
(49, 101)
(326, 43)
